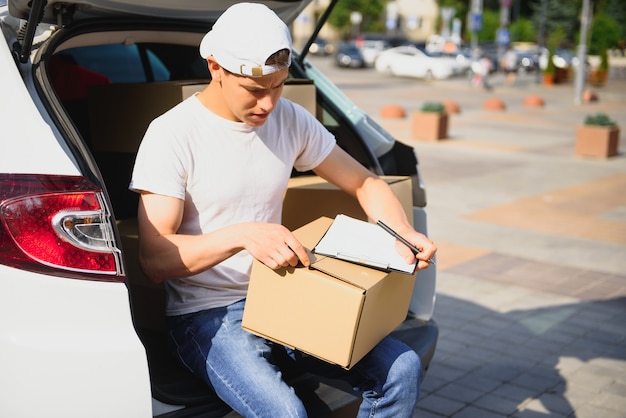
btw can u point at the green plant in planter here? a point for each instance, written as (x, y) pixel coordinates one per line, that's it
(550, 67)
(431, 122)
(599, 119)
(604, 60)
(599, 75)
(434, 107)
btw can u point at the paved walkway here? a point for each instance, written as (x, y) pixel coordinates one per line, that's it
(532, 260)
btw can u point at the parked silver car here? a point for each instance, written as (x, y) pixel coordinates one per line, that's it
(80, 328)
(410, 61)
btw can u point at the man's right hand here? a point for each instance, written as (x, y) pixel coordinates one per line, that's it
(274, 245)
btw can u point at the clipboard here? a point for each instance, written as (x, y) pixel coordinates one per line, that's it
(363, 243)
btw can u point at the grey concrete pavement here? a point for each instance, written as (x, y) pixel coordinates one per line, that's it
(532, 248)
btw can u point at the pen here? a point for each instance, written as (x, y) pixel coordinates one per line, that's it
(402, 240)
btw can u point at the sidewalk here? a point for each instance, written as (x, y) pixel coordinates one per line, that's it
(532, 251)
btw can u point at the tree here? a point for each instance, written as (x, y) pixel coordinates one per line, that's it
(491, 23)
(615, 9)
(523, 30)
(605, 33)
(373, 12)
(459, 6)
(559, 15)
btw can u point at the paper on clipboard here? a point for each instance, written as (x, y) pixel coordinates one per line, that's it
(364, 243)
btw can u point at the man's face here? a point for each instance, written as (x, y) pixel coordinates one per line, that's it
(251, 99)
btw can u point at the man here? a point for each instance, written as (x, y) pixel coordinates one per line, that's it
(509, 63)
(212, 173)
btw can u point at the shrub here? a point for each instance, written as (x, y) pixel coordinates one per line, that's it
(550, 67)
(604, 60)
(599, 119)
(434, 107)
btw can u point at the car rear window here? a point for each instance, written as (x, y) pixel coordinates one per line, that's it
(140, 63)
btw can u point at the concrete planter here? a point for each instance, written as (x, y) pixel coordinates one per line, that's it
(548, 79)
(598, 77)
(596, 141)
(429, 126)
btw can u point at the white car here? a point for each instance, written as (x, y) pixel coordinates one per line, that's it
(81, 330)
(409, 61)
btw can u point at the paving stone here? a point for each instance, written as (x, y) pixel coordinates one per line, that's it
(597, 411)
(475, 381)
(475, 412)
(515, 392)
(611, 401)
(441, 405)
(537, 408)
(460, 393)
(497, 404)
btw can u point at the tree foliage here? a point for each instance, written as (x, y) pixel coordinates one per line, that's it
(373, 12)
(558, 16)
(491, 23)
(605, 33)
(523, 30)
(560, 21)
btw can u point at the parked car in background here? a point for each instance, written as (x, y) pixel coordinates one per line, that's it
(527, 59)
(81, 327)
(490, 51)
(349, 55)
(565, 61)
(370, 48)
(563, 58)
(463, 58)
(413, 62)
(321, 47)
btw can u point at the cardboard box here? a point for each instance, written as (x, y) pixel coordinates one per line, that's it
(337, 311)
(147, 297)
(301, 91)
(310, 197)
(119, 114)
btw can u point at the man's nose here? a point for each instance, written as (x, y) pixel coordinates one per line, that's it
(266, 102)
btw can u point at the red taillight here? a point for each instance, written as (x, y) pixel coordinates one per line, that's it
(57, 225)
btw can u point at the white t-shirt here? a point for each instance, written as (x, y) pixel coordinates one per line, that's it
(226, 172)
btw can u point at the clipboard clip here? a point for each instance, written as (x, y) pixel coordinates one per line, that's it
(365, 262)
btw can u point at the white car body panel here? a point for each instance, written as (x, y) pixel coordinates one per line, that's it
(411, 62)
(422, 303)
(59, 337)
(30, 136)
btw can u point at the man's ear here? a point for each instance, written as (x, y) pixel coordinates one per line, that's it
(214, 68)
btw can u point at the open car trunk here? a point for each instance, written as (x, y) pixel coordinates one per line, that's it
(105, 81)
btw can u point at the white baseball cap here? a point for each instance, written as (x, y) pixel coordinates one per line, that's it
(244, 37)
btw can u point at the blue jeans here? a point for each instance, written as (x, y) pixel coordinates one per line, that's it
(241, 369)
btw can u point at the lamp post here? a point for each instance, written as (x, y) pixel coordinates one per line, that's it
(392, 18)
(542, 36)
(503, 35)
(475, 21)
(582, 53)
(355, 19)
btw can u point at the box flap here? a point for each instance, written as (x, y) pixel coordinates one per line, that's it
(310, 234)
(355, 274)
